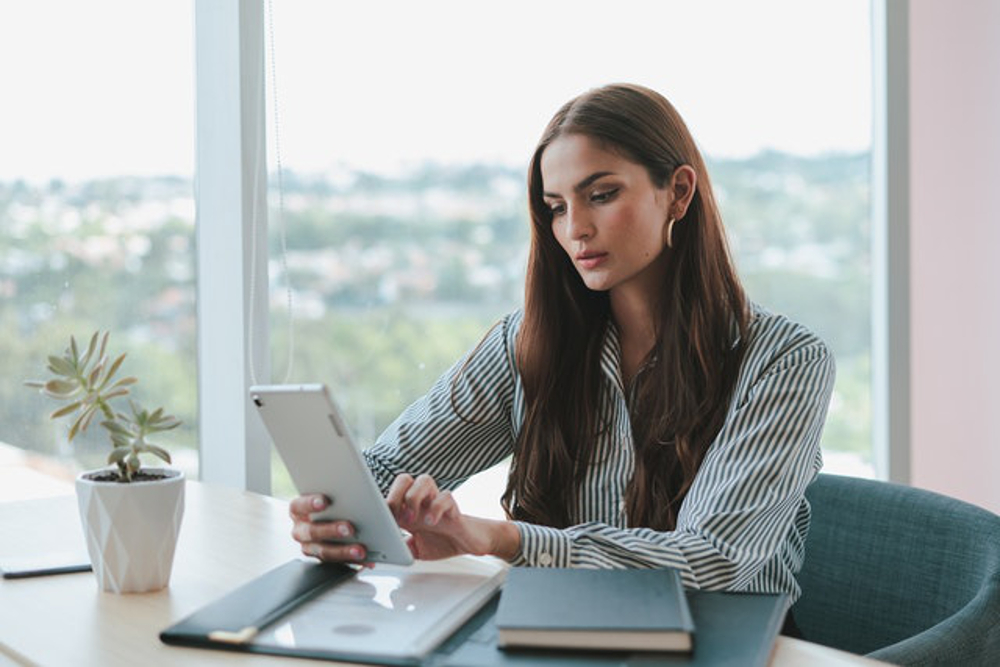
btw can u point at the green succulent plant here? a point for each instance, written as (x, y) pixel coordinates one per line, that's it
(87, 384)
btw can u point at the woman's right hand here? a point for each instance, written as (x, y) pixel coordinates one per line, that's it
(320, 538)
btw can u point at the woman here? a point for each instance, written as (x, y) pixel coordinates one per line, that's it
(655, 417)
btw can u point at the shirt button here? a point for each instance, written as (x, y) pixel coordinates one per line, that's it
(545, 559)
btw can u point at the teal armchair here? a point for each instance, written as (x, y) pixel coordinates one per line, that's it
(900, 574)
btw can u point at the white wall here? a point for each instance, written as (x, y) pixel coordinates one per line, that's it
(955, 248)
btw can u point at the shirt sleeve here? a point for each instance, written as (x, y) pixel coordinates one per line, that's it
(746, 498)
(461, 426)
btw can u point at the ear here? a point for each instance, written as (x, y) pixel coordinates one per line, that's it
(683, 183)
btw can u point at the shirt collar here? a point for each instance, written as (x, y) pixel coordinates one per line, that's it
(611, 354)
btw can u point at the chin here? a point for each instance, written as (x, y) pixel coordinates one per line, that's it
(597, 281)
(597, 285)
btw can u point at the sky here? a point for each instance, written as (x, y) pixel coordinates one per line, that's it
(105, 87)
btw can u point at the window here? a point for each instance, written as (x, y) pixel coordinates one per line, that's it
(405, 131)
(96, 219)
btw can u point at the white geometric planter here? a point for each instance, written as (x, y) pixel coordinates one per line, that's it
(131, 529)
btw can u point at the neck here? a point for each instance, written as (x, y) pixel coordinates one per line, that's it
(633, 313)
(633, 305)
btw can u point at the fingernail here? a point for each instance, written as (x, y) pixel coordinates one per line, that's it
(343, 530)
(357, 553)
(429, 520)
(318, 503)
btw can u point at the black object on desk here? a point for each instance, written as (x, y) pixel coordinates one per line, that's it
(43, 564)
(732, 629)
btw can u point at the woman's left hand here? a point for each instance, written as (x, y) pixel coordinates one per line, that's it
(437, 527)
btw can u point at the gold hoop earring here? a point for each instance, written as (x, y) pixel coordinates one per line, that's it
(670, 232)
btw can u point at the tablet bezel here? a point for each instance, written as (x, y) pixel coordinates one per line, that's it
(311, 436)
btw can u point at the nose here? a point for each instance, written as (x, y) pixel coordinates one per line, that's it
(578, 223)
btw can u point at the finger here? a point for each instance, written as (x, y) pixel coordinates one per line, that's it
(338, 553)
(305, 505)
(420, 495)
(397, 493)
(322, 531)
(442, 506)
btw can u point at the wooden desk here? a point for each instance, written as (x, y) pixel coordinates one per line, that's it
(227, 538)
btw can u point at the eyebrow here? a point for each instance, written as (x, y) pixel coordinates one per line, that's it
(585, 183)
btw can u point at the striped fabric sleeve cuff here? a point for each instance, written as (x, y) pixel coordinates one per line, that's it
(383, 476)
(542, 546)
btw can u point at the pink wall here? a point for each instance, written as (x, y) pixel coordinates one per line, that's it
(955, 248)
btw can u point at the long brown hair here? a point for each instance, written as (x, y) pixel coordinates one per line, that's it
(682, 397)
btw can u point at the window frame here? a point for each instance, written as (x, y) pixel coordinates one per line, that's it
(890, 230)
(231, 172)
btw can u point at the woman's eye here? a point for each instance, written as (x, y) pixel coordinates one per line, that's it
(557, 209)
(603, 196)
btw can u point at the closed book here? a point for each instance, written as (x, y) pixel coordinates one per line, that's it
(631, 610)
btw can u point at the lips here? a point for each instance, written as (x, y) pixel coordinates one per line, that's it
(590, 259)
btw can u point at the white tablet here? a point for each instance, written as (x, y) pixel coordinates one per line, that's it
(312, 439)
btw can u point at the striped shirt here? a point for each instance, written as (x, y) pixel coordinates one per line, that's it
(742, 525)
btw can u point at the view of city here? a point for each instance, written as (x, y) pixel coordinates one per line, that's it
(393, 278)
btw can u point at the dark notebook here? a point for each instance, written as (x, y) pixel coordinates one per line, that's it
(623, 610)
(734, 630)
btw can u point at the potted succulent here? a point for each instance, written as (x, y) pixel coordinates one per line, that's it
(131, 514)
